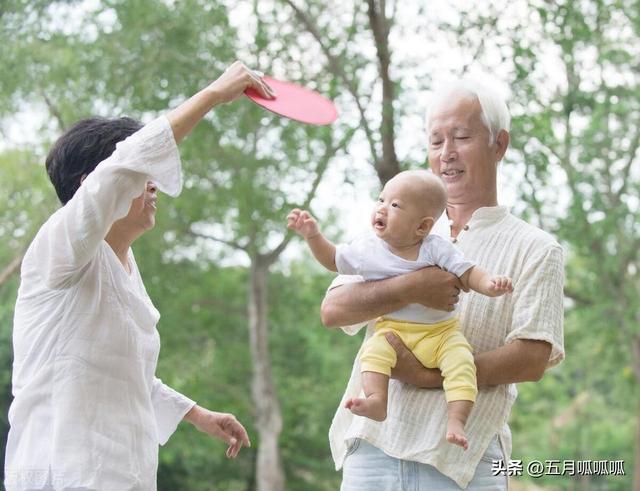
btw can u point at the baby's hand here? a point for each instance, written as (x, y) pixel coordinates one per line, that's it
(303, 223)
(499, 285)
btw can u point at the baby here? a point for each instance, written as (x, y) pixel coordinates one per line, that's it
(408, 206)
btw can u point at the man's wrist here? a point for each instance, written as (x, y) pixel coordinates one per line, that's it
(431, 378)
(403, 288)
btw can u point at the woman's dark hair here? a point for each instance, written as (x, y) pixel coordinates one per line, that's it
(82, 148)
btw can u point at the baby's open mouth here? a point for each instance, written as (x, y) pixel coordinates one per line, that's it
(379, 224)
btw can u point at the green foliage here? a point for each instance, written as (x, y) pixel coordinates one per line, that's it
(575, 133)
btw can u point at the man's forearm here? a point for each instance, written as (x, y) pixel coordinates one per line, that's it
(353, 303)
(523, 360)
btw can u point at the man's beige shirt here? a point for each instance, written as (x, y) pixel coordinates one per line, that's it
(415, 426)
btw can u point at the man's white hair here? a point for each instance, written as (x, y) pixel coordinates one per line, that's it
(494, 111)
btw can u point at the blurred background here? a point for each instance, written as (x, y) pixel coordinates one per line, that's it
(240, 298)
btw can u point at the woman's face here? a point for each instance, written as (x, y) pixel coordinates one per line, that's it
(142, 214)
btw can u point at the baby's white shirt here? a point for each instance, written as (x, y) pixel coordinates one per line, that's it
(370, 257)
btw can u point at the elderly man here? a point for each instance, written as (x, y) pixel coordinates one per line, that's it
(515, 337)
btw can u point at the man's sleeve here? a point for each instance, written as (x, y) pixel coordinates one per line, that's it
(169, 407)
(538, 301)
(343, 280)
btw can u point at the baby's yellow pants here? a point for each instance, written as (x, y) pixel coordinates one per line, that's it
(440, 345)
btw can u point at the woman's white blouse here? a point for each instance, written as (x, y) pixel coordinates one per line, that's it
(88, 410)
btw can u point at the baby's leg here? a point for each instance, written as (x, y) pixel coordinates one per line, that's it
(457, 413)
(378, 357)
(459, 373)
(374, 406)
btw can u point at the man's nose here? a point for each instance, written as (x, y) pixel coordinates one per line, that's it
(448, 150)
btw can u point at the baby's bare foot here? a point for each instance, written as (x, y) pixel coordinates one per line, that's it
(371, 407)
(456, 434)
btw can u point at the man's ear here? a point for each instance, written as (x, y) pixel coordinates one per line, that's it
(502, 142)
(425, 226)
(82, 178)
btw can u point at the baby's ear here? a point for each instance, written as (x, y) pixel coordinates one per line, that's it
(425, 226)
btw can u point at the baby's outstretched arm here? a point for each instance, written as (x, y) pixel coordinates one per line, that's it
(481, 281)
(301, 222)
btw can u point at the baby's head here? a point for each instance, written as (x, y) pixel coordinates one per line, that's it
(408, 206)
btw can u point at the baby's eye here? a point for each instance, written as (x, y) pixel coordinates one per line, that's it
(395, 205)
(380, 200)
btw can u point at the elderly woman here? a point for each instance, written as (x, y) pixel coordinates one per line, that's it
(89, 412)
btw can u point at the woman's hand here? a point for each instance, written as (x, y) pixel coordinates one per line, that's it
(235, 80)
(223, 426)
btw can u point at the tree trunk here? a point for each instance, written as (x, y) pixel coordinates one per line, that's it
(636, 471)
(635, 348)
(11, 268)
(388, 166)
(268, 416)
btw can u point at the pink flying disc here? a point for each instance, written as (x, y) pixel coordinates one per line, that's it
(296, 102)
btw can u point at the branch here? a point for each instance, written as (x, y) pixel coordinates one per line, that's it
(55, 112)
(627, 168)
(11, 268)
(388, 166)
(272, 256)
(475, 56)
(534, 198)
(229, 243)
(578, 298)
(336, 68)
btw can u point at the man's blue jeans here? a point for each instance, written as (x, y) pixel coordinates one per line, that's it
(367, 467)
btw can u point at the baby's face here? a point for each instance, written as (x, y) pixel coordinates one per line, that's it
(398, 213)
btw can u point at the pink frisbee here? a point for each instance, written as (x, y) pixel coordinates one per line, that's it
(296, 102)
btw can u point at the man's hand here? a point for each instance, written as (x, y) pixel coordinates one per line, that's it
(409, 370)
(434, 288)
(235, 80)
(222, 426)
(301, 222)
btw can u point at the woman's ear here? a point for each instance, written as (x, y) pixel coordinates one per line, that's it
(425, 226)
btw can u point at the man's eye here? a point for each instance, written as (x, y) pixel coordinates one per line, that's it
(462, 137)
(435, 144)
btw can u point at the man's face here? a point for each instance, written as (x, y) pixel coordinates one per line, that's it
(460, 151)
